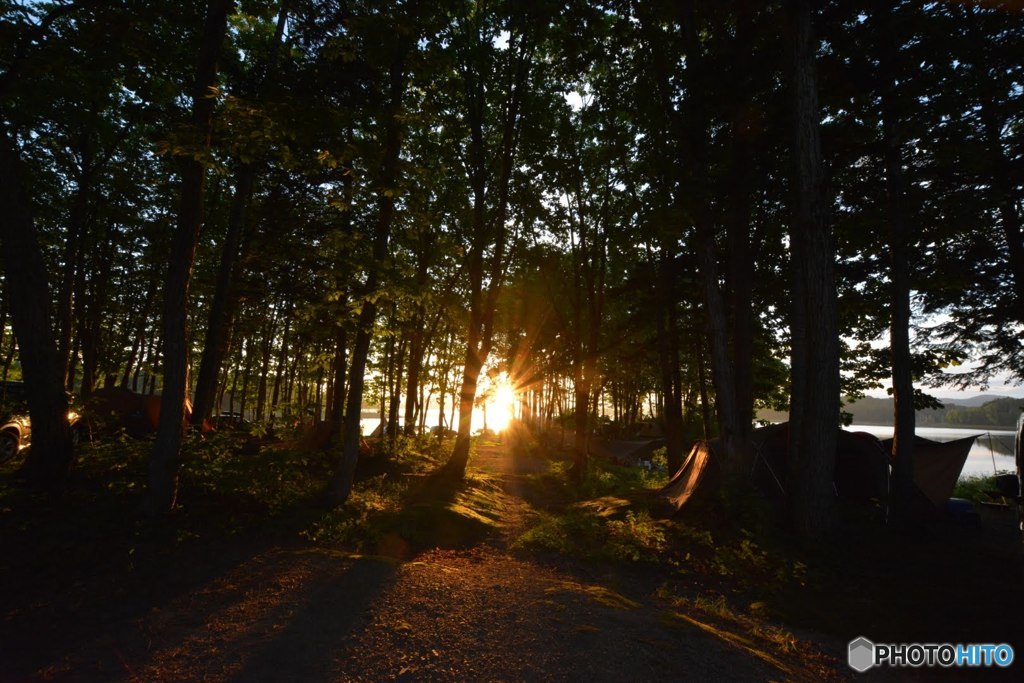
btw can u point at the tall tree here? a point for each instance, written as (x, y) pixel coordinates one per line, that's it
(396, 82)
(224, 304)
(28, 293)
(163, 464)
(26, 279)
(900, 244)
(814, 409)
(491, 145)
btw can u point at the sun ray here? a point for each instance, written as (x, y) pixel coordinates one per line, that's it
(501, 404)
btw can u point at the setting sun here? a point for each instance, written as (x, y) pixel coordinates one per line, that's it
(501, 404)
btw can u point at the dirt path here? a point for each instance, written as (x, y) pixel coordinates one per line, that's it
(481, 613)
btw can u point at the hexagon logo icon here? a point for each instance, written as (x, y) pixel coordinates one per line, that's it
(862, 654)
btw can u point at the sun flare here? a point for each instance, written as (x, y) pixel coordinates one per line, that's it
(501, 404)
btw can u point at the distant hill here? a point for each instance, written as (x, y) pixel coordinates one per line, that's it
(995, 412)
(974, 401)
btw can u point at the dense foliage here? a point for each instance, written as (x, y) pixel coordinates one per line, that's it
(396, 202)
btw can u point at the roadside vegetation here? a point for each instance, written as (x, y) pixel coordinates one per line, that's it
(724, 568)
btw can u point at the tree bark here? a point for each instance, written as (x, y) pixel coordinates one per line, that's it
(344, 475)
(73, 257)
(92, 311)
(222, 307)
(418, 337)
(489, 233)
(812, 500)
(267, 350)
(163, 465)
(740, 228)
(904, 417)
(396, 389)
(225, 300)
(721, 362)
(668, 354)
(28, 294)
(279, 363)
(338, 370)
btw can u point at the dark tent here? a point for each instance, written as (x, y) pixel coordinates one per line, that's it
(861, 472)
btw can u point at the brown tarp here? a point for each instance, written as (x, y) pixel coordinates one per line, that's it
(937, 466)
(687, 479)
(861, 471)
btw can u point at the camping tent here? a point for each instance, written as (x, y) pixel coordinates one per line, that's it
(861, 471)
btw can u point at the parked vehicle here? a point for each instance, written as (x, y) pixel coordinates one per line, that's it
(228, 420)
(112, 409)
(15, 426)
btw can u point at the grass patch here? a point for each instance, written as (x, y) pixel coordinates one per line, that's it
(978, 488)
(395, 518)
(606, 518)
(594, 531)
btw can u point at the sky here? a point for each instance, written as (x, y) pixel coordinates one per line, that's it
(1000, 386)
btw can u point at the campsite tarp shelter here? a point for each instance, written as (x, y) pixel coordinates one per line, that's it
(937, 466)
(861, 472)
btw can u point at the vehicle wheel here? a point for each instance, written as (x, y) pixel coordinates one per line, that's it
(8, 446)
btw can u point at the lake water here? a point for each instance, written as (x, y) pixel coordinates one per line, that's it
(368, 424)
(992, 450)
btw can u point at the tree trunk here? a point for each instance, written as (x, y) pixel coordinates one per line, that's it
(904, 417)
(92, 314)
(341, 482)
(396, 391)
(337, 412)
(73, 257)
(246, 375)
(3, 319)
(268, 349)
(222, 307)
(668, 355)
(163, 465)
(412, 386)
(28, 293)
(721, 362)
(488, 235)
(225, 301)
(812, 500)
(741, 259)
(459, 459)
(279, 363)
(300, 353)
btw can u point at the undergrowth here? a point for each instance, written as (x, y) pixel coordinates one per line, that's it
(229, 483)
(607, 517)
(978, 488)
